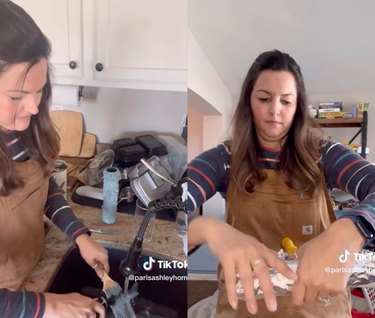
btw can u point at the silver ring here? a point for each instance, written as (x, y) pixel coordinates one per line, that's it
(324, 301)
(257, 262)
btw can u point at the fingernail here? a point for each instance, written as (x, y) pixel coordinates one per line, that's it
(253, 310)
(273, 305)
(234, 304)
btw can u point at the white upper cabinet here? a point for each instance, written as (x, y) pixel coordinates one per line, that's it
(116, 43)
(61, 22)
(141, 41)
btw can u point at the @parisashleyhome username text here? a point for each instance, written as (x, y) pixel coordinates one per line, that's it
(161, 265)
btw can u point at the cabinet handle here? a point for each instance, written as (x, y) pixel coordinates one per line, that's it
(99, 67)
(72, 65)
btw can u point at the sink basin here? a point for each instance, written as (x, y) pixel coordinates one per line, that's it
(157, 298)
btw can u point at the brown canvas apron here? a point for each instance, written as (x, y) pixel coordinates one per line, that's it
(271, 212)
(22, 226)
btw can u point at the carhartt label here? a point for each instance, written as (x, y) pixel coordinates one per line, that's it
(307, 229)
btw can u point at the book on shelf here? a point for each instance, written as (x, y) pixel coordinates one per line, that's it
(324, 105)
(327, 115)
(329, 110)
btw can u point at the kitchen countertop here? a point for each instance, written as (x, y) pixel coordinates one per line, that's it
(165, 242)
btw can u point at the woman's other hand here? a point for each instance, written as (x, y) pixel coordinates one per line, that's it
(242, 254)
(93, 253)
(320, 272)
(72, 305)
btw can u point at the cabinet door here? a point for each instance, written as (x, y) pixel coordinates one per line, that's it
(61, 22)
(142, 43)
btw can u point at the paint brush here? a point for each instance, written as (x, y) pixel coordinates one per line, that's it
(111, 288)
(115, 297)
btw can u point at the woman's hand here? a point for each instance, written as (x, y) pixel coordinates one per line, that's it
(317, 257)
(242, 254)
(72, 305)
(93, 253)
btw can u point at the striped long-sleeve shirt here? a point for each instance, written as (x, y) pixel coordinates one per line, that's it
(343, 169)
(23, 303)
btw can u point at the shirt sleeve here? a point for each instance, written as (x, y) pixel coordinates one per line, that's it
(207, 174)
(21, 304)
(348, 171)
(60, 213)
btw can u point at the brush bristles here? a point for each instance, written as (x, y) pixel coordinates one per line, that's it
(110, 287)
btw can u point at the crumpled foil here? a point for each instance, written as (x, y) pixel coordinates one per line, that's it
(363, 275)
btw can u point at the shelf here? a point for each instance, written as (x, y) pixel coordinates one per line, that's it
(339, 122)
(348, 122)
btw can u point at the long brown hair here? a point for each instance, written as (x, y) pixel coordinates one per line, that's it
(21, 41)
(300, 151)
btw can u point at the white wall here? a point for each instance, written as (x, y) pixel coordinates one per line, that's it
(211, 105)
(206, 125)
(205, 82)
(116, 113)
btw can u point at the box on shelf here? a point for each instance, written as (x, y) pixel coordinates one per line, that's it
(361, 107)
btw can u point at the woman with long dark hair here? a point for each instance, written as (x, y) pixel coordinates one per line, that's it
(275, 173)
(29, 145)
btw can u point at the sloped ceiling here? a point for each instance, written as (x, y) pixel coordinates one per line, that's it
(332, 40)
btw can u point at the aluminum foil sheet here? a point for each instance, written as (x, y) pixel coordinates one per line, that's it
(363, 275)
